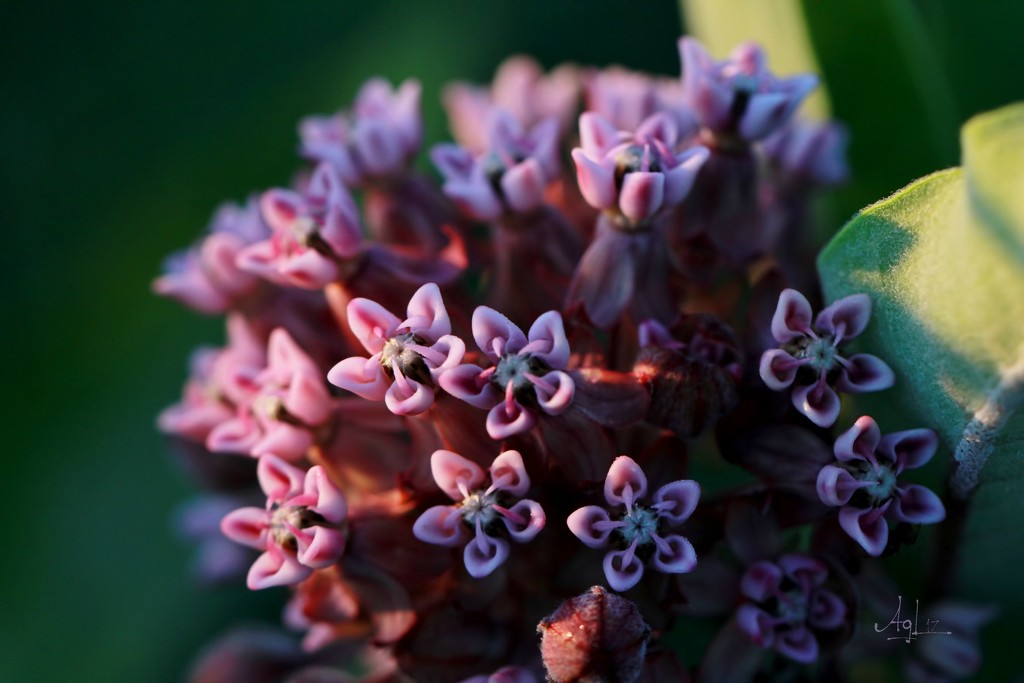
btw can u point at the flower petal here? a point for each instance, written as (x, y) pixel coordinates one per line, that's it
(465, 383)
(675, 555)
(623, 569)
(364, 377)
(597, 134)
(325, 498)
(371, 323)
(592, 525)
(276, 568)
(247, 526)
(761, 580)
(676, 501)
(428, 317)
(826, 611)
(596, 181)
(523, 185)
(867, 527)
(642, 195)
(495, 334)
(679, 180)
(408, 397)
(484, 554)
(778, 368)
(325, 549)
(917, 504)
(864, 373)
(279, 480)
(441, 525)
(757, 624)
(836, 485)
(509, 474)
(909, 449)
(624, 473)
(799, 644)
(547, 340)
(806, 571)
(555, 391)
(533, 518)
(859, 442)
(792, 319)
(504, 421)
(453, 473)
(818, 402)
(845, 318)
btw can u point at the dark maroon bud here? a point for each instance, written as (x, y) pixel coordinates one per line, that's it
(596, 637)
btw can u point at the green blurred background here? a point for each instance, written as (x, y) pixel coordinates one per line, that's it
(124, 124)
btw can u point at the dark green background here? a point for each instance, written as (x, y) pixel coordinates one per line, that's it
(123, 124)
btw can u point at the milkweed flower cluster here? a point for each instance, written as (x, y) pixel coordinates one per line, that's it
(447, 413)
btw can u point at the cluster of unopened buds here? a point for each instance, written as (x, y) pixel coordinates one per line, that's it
(443, 438)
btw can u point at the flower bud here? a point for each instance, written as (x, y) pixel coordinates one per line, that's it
(596, 637)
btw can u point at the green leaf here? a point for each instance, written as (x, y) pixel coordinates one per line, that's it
(779, 26)
(943, 261)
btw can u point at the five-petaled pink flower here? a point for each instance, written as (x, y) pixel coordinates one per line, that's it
(809, 355)
(787, 602)
(481, 515)
(407, 356)
(289, 402)
(863, 482)
(635, 174)
(739, 96)
(511, 175)
(376, 139)
(314, 233)
(526, 375)
(299, 530)
(636, 531)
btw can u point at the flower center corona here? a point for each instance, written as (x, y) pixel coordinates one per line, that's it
(639, 524)
(478, 506)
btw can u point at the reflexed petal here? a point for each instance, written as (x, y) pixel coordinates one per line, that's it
(307, 398)
(867, 527)
(451, 472)
(792, 319)
(860, 441)
(765, 113)
(757, 624)
(556, 401)
(909, 449)
(641, 195)
(379, 148)
(307, 269)
(548, 341)
(761, 580)
(276, 568)
(779, 368)
(247, 526)
(836, 485)
(327, 499)
(484, 554)
(523, 186)
(806, 571)
(679, 180)
(237, 435)
(452, 348)
(495, 334)
(325, 549)
(847, 317)
(451, 160)
(534, 520)
(677, 500)
(408, 397)
(371, 323)
(283, 439)
(509, 474)
(474, 197)
(865, 373)
(278, 479)
(819, 402)
(596, 181)
(502, 424)
(827, 610)
(591, 525)
(917, 505)
(362, 376)
(621, 577)
(799, 644)
(280, 208)
(428, 317)
(464, 383)
(597, 134)
(441, 525)
(624, 472)
(604, 281)
(675, 555)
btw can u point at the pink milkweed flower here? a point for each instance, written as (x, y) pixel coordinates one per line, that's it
(314, 233)
(206, 277)
(809, 356)
(486, 514)
(526, 376)
(626, 98)
(739, 96)
(787, 603)
(407, 356)
(635, 175)
(638, 532)
(299, 530)
(863, 482)
(289, 402)
(511, 175)
(811, 152)
(521, 88)
(376, 139)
